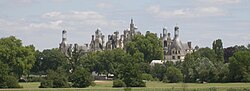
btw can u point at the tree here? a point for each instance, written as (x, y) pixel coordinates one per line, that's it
(150, 45)
(19, 58)
(49, 59)
(131, 76)
(7, 80)
(229, 51)
(81, 78)
(173, 74)
(218, 49)
(55, 79)
(158, 71)
(240, 66)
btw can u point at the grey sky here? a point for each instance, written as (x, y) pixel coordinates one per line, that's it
(40, 22)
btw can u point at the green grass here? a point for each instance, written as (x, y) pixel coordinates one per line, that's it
(151, 86)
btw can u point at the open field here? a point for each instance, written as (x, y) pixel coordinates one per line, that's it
(151, 86)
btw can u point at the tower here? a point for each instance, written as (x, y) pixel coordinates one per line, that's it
(64, 36)
(132, 27)
(176, 31)
(63, 46)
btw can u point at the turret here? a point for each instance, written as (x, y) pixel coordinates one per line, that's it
(93, 37)
(176, 31)
(132, 27)
(164, 30)
(64, 36)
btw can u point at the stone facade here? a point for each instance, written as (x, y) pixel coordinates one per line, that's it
(98, 43)
(174, 49)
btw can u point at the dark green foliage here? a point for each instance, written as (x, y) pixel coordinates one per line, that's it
(19, 58)
(131, 76)
(218, 49)
(49, 59)
(165, 79)
(118, 83)
(46, 84)
(58, 79)
(7, 80)
(147, 77)
(173, 74)
(81, 78)
(202, 66)
(149, 45)
(158, 71)
(240, 66)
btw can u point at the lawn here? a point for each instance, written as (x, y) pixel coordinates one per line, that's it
(151, 86)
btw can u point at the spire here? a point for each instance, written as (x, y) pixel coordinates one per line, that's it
(131, 21)
(64, 36)
(176, 31)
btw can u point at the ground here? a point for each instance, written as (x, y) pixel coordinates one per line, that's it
(151, 86)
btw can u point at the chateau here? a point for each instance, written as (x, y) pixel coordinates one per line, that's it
(174, 49)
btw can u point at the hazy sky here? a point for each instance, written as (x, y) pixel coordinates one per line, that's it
(40, 22)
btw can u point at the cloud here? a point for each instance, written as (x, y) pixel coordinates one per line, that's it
(73, 15)
(185, 12)
(220, 1)
(104, 5)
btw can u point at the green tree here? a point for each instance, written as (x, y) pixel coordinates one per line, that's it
(218, 48)
(173, 74)
(150, 45)
(19, 58)
(55, 79)
(81, 78)
(49, 59)
(7, 80)
(158, 71)
(240, 66)
(131, 76)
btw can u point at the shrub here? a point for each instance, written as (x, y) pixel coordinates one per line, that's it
(118, 83)
(81, 78)
(136, 83)
(147, 77)
(165, 79)
(60, 82)
(35, 79)
(10, 82)
(46, 84)
(174, 74)
(55, 80)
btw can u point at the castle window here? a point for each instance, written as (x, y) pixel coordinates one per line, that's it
(179, 52)
(165, 43)
(179, 57)
(173, 57)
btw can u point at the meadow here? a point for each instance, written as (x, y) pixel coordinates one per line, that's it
(151, 86)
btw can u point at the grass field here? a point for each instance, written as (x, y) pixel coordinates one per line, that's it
(151, 86)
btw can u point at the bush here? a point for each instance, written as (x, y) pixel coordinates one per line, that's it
(173, 74)
(81, 78)
(10, 82)
(165, 79)
(136, 83)
(60, 82)
(55, 80)
(118, 83)
(35, 79)
(46, 84)
(147, 77)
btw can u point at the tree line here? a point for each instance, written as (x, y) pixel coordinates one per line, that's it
(130, 66)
